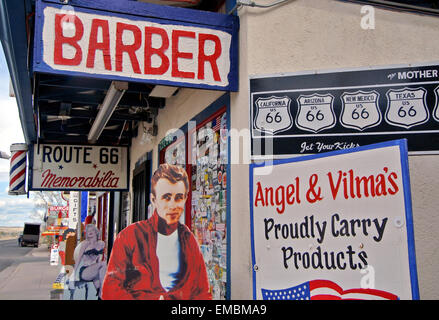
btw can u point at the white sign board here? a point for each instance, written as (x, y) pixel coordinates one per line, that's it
(79, 167)
(74, 207)
(334, 226)
(54, 255)
(134, 46)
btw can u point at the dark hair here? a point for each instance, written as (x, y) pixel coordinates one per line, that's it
(66, 232)
(170, 172)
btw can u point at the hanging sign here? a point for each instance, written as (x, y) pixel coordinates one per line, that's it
(58, 211)
(74, 207)
(337, 225)
(167, 45)
(54, 255)
(314, 112)
(79, 167)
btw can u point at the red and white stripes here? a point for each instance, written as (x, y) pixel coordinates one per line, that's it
(17, 173)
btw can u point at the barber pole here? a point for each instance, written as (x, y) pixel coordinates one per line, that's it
(17, 173)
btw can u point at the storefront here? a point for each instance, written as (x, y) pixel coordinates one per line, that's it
(202, 148)
(318, 56)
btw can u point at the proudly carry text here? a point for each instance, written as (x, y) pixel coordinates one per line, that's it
(286, 221)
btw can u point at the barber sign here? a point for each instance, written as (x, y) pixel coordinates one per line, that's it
(191, 48)
(79, 167)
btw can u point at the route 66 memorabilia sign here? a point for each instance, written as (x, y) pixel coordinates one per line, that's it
(315, 113)
(406, 107)
(273, 114)
(360, 110)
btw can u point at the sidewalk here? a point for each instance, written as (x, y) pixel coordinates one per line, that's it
(30, 281)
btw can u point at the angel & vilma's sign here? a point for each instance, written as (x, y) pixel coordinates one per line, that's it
(337, 225)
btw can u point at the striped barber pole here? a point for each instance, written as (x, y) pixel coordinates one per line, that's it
(17, 173)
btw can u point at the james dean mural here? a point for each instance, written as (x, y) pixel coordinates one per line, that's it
(159, 258)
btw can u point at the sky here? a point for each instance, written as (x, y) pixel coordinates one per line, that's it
(14, 210)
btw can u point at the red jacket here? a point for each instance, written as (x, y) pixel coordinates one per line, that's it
(133, 269)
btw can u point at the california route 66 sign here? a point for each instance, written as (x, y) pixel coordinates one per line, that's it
(360, 110)
(406, 107)
(273, 114)
(315, 113)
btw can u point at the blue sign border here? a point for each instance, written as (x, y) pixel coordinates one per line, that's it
(140, 11)
(402, 144)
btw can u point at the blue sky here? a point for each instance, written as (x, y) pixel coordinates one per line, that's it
(14, 210)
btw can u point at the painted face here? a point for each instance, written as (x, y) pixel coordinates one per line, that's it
(169, 200)
(91, 234)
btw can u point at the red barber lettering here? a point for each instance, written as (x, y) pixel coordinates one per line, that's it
(176, 54)
(203, 58)
(103, 46)
(131, 49)
(60, 40)
(114, 46)
(150, 51)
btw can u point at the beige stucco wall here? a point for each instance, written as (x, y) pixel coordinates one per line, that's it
(306, 35)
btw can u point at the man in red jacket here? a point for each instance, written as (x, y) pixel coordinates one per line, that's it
(159, 258)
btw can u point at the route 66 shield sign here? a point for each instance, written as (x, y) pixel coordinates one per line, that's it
(406, 107)
(360, 110)
(436, 108)
(316, 112)
(273, 114)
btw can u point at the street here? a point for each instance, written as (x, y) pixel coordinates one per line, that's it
(11, 253)
(25, 273)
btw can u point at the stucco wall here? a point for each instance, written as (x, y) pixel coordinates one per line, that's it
(306, 35)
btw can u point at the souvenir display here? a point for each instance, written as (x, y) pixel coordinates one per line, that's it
(209, 209)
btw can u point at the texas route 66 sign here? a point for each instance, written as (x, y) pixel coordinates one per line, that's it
(360, 110)
(315, 113)
(406, 107)
(273, 114)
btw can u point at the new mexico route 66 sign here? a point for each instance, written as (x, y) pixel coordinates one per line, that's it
(273, 114)
(360, 110)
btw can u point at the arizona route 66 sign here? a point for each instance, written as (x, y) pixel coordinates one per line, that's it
(273, 114)
(315, 113)
(360, 110)
(407, 107)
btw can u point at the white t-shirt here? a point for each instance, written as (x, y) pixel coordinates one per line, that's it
(168, 253)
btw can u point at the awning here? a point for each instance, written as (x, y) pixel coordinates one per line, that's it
(49, 233)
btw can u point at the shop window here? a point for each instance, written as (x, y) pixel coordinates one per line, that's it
(124, 211)
(102, 201)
